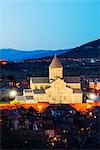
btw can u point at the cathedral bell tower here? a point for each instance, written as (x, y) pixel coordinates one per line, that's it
(55, 69)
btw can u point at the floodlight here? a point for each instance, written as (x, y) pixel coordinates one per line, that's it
(13, 93)
(92, 96)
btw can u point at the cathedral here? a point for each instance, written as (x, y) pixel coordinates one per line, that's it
(55, 89)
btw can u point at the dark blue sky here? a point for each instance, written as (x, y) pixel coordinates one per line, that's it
(48, 24)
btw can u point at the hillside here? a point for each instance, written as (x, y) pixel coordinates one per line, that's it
(16, 55)
(89, 50)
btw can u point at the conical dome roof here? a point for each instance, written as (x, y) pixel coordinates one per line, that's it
(55, 63)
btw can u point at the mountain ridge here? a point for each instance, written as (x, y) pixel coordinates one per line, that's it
(16, 55)
(88, 50)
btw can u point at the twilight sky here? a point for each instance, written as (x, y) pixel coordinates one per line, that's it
(48, 24)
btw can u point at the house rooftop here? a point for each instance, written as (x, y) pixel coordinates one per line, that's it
(40, 79)
(72, 79)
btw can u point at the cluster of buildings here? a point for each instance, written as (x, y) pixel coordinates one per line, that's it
(89, 60)
(62, 126)
(55, 89)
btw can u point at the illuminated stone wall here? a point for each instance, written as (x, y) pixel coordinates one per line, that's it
(55, 73)
(56, 93)
(77, 97)
(34, 86)
(74, 85)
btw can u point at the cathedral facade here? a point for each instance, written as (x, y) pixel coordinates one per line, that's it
(54, 89)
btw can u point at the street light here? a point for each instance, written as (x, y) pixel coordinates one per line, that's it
(92, 96)
(12, 93)
(39, 107)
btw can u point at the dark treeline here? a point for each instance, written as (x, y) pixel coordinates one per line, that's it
(21, 71)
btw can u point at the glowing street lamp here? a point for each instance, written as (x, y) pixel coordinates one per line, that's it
(55, 139)
(53, 144)
(39, 106)
(12, 93)
(92, 96)
(88, 106)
